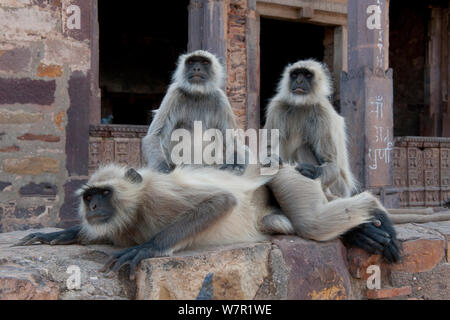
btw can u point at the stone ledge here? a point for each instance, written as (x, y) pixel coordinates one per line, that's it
(283, 268)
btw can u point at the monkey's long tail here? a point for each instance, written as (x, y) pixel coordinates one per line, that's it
(305, 204)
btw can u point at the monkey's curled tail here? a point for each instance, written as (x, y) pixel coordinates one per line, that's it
(304, 203)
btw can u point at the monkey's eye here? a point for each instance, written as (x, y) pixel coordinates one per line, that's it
(308, 75)
(205, 62)
(88, 197)
(105, 193)
(293, 75)
(190, 62)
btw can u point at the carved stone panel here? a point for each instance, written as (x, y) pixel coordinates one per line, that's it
(415, 177)
(400, 172)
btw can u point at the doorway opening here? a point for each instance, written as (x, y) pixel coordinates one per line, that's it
(283, 42)
(139, 47)
(407, 57)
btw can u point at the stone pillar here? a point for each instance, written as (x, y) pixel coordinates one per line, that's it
(367, 94)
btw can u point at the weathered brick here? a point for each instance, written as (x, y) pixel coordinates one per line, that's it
(42, 189)
(421, 255)
(59, 119)
(15, 60)
(27, 91)
(40, 137)
(359, 260)
(49, 71)
(10, 149)
(26, 213)
(388, 293)
(19, 283)
(75, 54)
(423, 248)
(323, 264)
(19, 117)
(4, 185)
(443, 228)
(31, 166)
(52, 4)
(27, 23)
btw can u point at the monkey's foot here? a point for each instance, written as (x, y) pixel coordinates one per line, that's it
(132, 257)
(309, 170)
(272, 159)
(68, 236)
(376, 237)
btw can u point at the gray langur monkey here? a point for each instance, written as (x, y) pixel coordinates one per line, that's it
(155, 214)
(195, 94)
(312, 133)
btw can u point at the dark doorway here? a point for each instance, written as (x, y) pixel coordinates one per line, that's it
(407, 55)
(281, 43)
(139, 46)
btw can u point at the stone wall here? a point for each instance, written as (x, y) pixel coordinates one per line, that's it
(281, 268)
(45, 96)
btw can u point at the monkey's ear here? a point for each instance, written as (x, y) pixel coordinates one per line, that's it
(133, 176)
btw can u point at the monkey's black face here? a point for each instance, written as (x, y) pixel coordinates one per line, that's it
(99, 208)
(198, 69)
(301, 81)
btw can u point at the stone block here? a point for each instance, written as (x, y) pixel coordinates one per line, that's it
(49, 71)
(15, 60)
(27, 91)
(19, 117)
(7, 149)
(39, 137)
(27, 23)
(42, 271)
(31, 166)
(235, 272)
(317, 271)
(44, 189)
(18, 283)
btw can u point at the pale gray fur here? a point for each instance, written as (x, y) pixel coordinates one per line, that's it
(310, 128)
(310, 213)
(183, 104)
(239, 206)
(192, 208)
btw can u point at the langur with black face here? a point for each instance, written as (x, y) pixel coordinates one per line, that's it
(312, 133)
(195, 94)
(313, 138)
(155, 214)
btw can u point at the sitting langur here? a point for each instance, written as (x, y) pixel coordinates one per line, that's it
(195, 94)
(155, 214)
(312, 133)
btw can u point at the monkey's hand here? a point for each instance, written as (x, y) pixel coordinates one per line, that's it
(376, 237)
(272, 160)
(68, 236)
(235, 168)
(131, 256)
(163, 167)
(309, 170)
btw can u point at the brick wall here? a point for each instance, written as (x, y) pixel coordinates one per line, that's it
(44, 111)
(237, 58)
